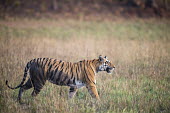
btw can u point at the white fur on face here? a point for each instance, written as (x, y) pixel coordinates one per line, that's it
(103, 67)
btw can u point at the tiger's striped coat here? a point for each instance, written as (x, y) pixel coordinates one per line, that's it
(74, 75)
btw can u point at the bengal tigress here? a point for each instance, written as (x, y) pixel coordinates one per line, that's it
(74, 75)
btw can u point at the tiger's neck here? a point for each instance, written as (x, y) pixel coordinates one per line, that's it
(95, 63)
(91, 65)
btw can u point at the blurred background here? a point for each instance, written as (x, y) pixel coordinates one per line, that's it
(79, 8)
(133, 34)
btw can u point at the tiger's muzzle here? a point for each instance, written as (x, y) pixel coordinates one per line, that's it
(110, 69)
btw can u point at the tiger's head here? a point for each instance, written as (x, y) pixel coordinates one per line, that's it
(105, 65)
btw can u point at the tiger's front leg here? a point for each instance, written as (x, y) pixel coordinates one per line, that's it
(93, 91)
(72, 92)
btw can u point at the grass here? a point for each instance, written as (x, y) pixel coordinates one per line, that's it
(141, 30)
(138, 48)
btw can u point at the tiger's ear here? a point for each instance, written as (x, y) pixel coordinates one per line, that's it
(100, 58)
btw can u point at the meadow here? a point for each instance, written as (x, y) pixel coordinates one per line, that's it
(139, 48)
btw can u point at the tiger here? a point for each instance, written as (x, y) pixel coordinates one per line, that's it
(74, 75)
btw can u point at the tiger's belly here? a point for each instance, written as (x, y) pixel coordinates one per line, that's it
(71, 82)
(78, 84)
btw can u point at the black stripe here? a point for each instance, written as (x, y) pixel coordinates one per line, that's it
(49, 69)
(93, 60)
(27, 66)
(74, 81)
(45, 62)
(57, 64)
(91, 68)
(56, 70)
(80, 65)
(66, 66)
(71, 72)
(52, 75)
(34, 60)
(77, 72)
(49, 62)
(60, 61)
(54, 62)
(62, 65)
(37, 60)
(59, 76)
(86, 74)
(30, 61)
(42, 61)
(67, 69)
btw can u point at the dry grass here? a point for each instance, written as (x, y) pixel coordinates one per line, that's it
(139, 84)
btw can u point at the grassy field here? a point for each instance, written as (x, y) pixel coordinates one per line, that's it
(140, 50)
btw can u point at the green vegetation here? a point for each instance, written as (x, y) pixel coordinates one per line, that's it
(139, 49)
(135, 29)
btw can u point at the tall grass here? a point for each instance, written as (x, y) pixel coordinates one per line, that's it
(138, 48)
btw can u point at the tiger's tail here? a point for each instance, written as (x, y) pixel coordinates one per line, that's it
(24, 78)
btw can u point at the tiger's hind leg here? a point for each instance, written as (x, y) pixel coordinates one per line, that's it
(38, 85)
(26, 86)
(38, 79)
(37, 89)
(72, 92)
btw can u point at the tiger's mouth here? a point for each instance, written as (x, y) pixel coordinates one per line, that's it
(109, 70)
